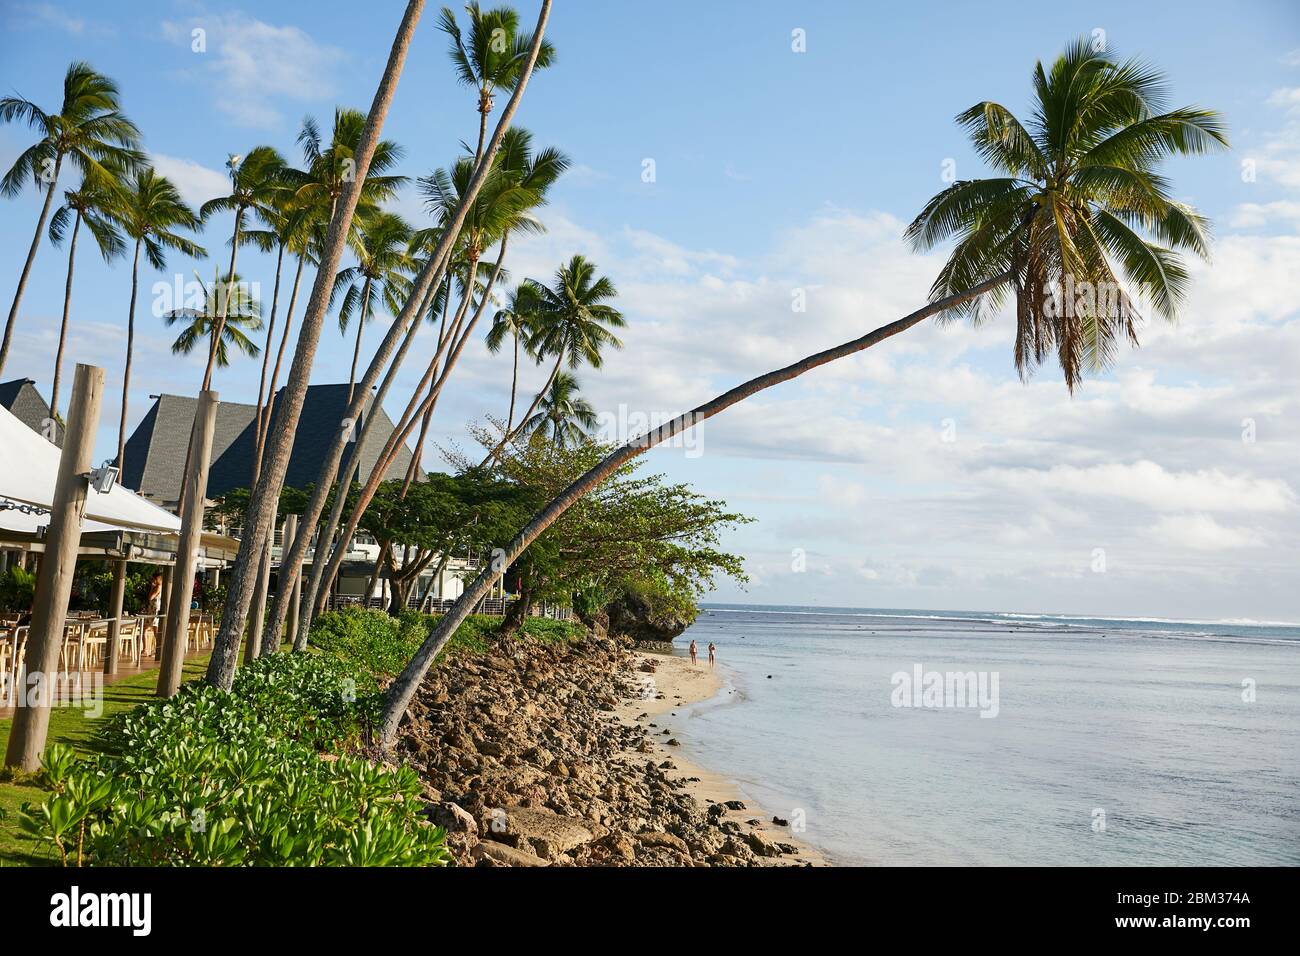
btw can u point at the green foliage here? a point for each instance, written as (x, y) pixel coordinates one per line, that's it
(237, 779)
(17, 588)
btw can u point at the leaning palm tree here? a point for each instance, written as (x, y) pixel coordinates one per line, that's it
(563, 417)
(381, 276)
(88, 131)
(229, 304)
(94, 203)
(516, 320)
(255, 182)
(152, 213)
(492, 57)
(1083, 189)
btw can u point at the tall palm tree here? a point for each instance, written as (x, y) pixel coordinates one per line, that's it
(492, 57)
(231, 304)
(255, 182)
(95, 203)
(332, 166)
(515, 320)
(572, 321)
(381, 276)
(565, 414)
(89, 131)
(152, 213)
(1083, 187)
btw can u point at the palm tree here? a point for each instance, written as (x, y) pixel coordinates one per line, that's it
(228, 304)
(515, 320)
(1083, 188)
(380, 275)
(151, 213)
(572, 321)
(255, 181)
(95, 203)
(266, 490)
(567, 415)
(89, 131)
(332, 167)
(494, 56)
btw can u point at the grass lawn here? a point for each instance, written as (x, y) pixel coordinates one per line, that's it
(69, 726)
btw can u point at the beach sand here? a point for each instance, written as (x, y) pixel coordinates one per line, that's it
(682, 685)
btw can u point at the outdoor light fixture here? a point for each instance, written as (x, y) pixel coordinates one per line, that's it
(103, 477)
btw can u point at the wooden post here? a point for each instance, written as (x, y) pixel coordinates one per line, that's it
(54, 581)
(187, 550)
(115, 612)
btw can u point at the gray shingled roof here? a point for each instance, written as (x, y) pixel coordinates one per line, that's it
(155, 452)
(21, 398)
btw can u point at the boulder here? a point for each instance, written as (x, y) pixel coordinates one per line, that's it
(498, 854)
(549, 834)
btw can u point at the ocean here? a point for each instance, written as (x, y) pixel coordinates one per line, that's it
(899, 737)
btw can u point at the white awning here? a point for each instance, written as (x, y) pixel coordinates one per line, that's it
(29, 468)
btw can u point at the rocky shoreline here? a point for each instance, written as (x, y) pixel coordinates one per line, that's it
(532, 755)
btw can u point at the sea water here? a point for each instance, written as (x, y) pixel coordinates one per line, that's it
(1093, 741)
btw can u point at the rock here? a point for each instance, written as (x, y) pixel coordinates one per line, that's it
(654, 838)
(733, 804)
(548, 833)
(673, 742)
(632, 616)
(498, 854)
(761, 845)
(780, 822)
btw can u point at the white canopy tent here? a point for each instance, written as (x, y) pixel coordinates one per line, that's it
(29, 468)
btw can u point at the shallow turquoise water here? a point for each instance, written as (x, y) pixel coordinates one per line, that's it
(1114, 742)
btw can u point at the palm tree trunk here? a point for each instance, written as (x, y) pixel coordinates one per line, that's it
(361, 324)
(402, 690)
(266, 491)
(130, 349)
(63, 328)
(264, 414)
(27, 265)
(514, 383)
(220, 327)
(266, 360)
(537, 400)
(405, 326)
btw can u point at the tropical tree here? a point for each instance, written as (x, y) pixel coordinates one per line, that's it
(332, 167)
(1083, 187)
(492, 57)
(255, 182)
(153, 214)
(89, 131)
(563, 416)
(266, 490)
(94, 203)
(516, 321)
(230, 305)
(380, 277)
(572, 321)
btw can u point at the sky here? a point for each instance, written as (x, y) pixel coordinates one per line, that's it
(790, 143)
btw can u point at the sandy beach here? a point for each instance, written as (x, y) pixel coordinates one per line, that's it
(681, 685)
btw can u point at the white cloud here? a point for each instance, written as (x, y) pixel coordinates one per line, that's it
(196, 182)
(1202, 533)
(254, 63)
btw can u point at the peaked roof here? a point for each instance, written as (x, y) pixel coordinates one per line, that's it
(155, 452)
(21, 398)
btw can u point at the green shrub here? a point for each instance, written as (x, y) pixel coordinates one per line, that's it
(215, 779)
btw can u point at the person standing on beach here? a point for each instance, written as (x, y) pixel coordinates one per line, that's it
(692, 653)
(712, 653)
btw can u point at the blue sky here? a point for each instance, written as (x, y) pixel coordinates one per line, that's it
(921, 474)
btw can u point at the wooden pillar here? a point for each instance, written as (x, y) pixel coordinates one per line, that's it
(187, 551)
(31, 721)
(295, 596)
(115, 612)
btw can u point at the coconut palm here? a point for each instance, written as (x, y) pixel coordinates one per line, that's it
(94, 203)
(381, 276)
(89, 131)
(566, 415)
(1080, 204)
(1083, 188)
(255, 182)
(492, 57)
(515, 321)
(572, 321)
(229, 304)
(332, 166)
(152, 214)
